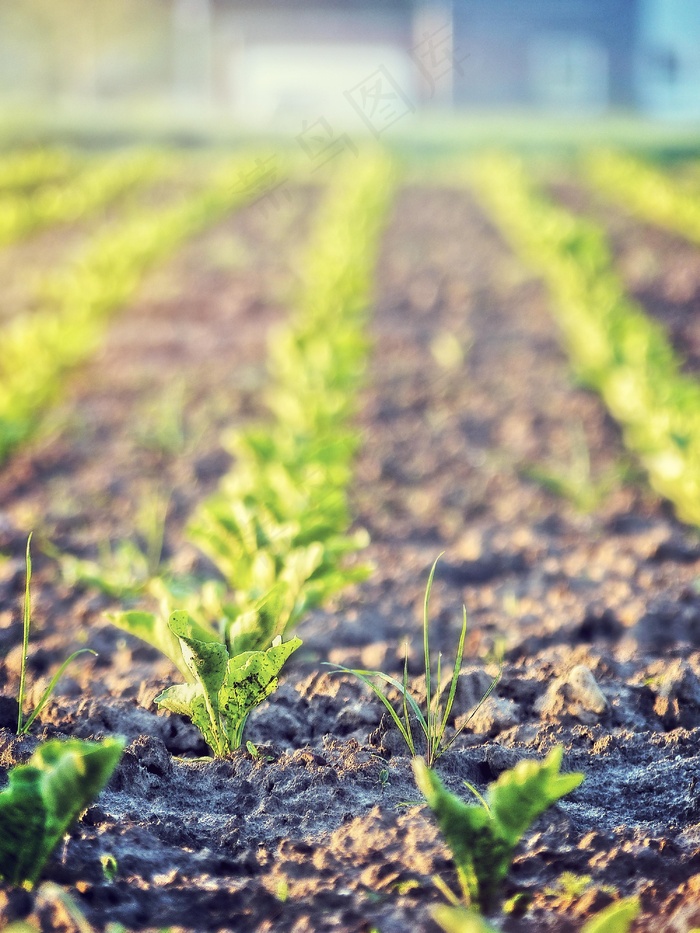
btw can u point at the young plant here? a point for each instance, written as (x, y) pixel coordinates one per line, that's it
(44, 797)
(483, 836)
(616, 918)
(23, 725)
(222, 689)
(433, 721)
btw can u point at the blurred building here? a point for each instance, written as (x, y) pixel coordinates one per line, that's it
(271, 58)
(373, 61)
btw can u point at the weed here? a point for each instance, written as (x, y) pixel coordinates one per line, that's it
(23, 725)
(433, 721)
(109, 867)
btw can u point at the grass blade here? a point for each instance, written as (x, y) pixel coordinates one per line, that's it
(27, 616)
(51, 687)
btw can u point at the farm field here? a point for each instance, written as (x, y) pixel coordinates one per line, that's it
(274, 408)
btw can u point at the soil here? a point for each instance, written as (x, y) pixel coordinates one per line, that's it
(466, 390)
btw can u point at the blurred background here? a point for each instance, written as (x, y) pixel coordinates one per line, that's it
(319, 68)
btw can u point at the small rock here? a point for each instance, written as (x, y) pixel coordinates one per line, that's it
(585, 690)
(575, 694)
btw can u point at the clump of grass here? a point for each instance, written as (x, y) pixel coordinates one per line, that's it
(432, 721)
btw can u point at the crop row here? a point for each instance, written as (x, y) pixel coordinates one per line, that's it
(29, 169)
(614, 346)
(646, 192)
(67, 201)
(38, 348)
(277, 528)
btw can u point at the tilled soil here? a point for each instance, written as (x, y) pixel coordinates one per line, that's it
(467, 389)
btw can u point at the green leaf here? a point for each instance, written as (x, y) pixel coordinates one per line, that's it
(615, 918)
(481, 857)
(520, 795)
(482, 840)
(250, 678)
(154, 630)
(45, 796)
(459, 920)
(22, 824)
(205, 657)
(189, 700)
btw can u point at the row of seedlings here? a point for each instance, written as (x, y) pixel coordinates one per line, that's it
(24, 170)
(78, 197)
(40, 347)
(614, 346)
(650, 194)
(277, 527)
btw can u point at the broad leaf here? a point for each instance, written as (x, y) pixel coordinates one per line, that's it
(615, 918)
(482, 838)
(154, 630)
(189, 700)
(520, 795)
(250, 678)
(45, 796)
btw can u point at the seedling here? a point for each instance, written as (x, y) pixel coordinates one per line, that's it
(616, 918)
(222, 689)
(45, 797)
(23, 725)
(483, 836)
(433, 721)
(109, 867)
(573, 481)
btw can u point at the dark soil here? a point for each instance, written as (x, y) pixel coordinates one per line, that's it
(314, 834)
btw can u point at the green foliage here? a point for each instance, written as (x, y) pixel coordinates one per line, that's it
(433, 722)
(30, 168)
(613, 345)
(43, 799)
(482, 838)
(110, 867)
(460, 920)
(222, 689)
(23, 725)
(615, 918)
(78, 197)
(646, 191)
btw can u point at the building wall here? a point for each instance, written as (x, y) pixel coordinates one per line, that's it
(577, 53)
(289, 63)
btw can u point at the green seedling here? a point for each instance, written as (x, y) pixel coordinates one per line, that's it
(483, 836)
(434, 720)
(126, 568)
(461, 920)
(109, 867)
(616, 918)
(222, 689)
(44, 798)
(23, 725)
(574, 481)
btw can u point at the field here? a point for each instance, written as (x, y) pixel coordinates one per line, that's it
(271, 402)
